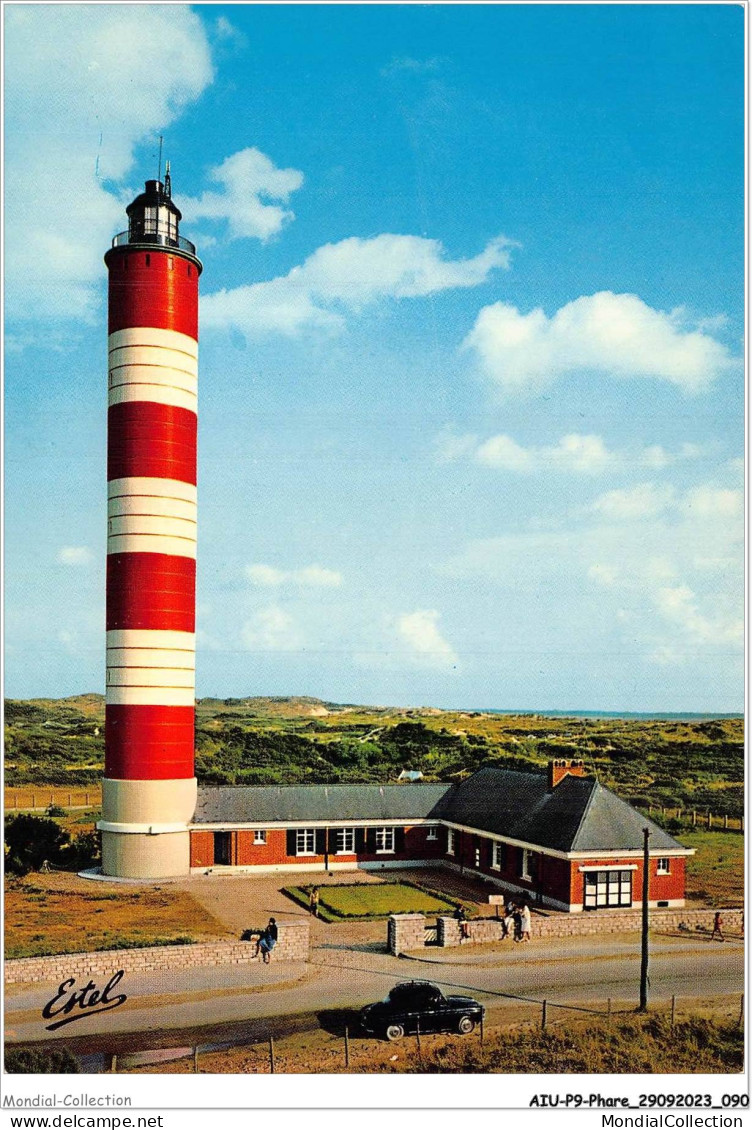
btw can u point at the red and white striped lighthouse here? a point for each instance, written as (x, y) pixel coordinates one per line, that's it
(149, 787)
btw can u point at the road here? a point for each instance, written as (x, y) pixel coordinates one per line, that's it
(247, 1003)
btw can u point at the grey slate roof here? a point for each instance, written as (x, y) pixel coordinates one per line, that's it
(277, 804)
(579, 815)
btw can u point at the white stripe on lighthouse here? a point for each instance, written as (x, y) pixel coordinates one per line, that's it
(175, 545)
(150, 487)
(152, 677)
(152, 505)
(151, 638)
(150, 335)
(150, 657)
(148, 515)
(150, 696)
(150, 667)
(153, 364)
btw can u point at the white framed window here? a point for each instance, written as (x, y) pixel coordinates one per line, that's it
(608, 888)
(525, 864)
(305, 841)
(344, 841)
(450, 841)
(432, 832)
(384, 840)
(259, 836)
(496, 856)
(664, 867)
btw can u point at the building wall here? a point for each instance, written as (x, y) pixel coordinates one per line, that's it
(663, 888)
(551, 881)
(411, 843)
(549, 876)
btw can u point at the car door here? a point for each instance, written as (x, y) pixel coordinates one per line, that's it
(427, 1009)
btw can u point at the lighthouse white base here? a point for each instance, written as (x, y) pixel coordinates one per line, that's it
(144, 827)
(136, 855)
(149, 802)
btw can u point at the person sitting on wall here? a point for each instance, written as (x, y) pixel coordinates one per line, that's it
(268, 940)
(507, 921)
(517, 919)
(461, 915)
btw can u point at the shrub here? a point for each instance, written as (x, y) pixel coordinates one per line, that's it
(29, 840)
(41, 1061)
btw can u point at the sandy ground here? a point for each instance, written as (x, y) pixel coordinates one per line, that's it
(240, 901)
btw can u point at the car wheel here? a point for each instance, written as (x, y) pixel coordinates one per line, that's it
(466, 1025)
(394, 1032)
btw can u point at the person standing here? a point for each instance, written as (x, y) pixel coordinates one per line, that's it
(525, 923)
(313, 902)
(508, 920)
(717, 927)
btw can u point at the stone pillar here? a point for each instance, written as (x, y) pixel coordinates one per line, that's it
(448, 931)
(406, 932)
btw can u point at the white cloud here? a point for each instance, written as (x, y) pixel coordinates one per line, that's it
(617, 335)
(678, 605)
(246, 181)
(311, 576)
(642, 501)
(426, 646)
(575, 453)
(346, 277)
(271, 629)
(83, 85)
(76, 555)
(669, 567)
(604, 574)
(713, 502)
(586, 454)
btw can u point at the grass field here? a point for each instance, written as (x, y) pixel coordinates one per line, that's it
(633, 1045)
(372, 900)
(46, 914)
(715, 874)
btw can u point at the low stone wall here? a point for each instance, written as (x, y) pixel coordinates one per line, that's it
(614, 922)
(292, 945)
(481, 931)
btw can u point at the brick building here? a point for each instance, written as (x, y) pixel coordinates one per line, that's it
(559, 837)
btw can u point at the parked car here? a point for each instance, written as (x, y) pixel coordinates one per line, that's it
(419, 1006)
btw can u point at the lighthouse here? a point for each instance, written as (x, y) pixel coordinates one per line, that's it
(149, 786)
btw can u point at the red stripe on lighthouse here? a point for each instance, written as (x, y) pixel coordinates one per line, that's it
(151, 591)
(163, 293)
(152, 440)
(149, 743)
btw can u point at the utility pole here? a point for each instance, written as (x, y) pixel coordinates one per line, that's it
(645, 921)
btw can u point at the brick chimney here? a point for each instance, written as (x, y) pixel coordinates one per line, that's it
(561, 768)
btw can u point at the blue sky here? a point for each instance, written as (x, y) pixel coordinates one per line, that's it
(471, 388)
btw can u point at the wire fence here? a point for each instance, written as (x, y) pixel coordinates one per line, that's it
(348, 1049)
(42, 798)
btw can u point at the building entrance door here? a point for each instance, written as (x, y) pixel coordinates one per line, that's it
(222, 849)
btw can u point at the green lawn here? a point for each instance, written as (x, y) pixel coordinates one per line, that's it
(715, 874)
(372, 900)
